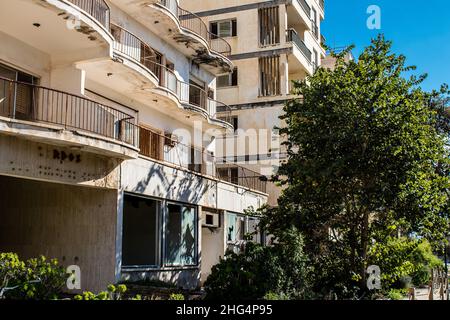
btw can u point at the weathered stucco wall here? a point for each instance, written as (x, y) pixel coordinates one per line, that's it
(29, 159)
(76, 225)
(150, 178)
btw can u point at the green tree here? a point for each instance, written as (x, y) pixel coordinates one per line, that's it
(363, 158)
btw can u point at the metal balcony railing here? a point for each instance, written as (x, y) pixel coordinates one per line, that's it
(135, 48)
(244, 177)
(305, 7)
(322, 4)
(98, 9)
(28, 102)
(161, 147)
(315, 30)
(292, 36)
(193, 23)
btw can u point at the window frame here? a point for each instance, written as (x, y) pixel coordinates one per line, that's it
(162, 216)
(233, 28)
(163, 263)
(232, 79)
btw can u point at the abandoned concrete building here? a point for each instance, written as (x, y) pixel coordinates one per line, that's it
(272, 43)
(106, 106)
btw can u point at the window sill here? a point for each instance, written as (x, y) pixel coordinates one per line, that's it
(157, 269)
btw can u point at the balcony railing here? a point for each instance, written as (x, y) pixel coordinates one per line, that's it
(98, 9)
(292, 36)
(193, 23)
(28, 102)
(243, 177)
(315, 30)
(166, 148)
(305, 7)
(134, 48)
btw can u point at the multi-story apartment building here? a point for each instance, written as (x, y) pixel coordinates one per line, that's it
(273, 42)
(108, 125)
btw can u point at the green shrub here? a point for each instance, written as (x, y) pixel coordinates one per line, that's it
(276, 296)
(113, 293)
(278, 270)
(38, 278)
(176, 296)
(396, 294)
(403, 262)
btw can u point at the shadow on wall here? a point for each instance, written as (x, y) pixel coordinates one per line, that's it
(191, 188)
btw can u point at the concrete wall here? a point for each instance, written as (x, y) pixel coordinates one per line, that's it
(213, 247)
(39, 161)
(151, 178)
(76, 225)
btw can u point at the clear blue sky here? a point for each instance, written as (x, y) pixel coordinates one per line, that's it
(419, 29)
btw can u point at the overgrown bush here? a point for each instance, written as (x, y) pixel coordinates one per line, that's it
(176, 296)
(259, 272)
(403, 262)
(113, 293)
(38, 278)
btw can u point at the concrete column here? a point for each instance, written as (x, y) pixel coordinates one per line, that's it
(284, 74)
(68, 78)
(283, 23)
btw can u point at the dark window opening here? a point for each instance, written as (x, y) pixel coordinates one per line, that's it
(140, 231)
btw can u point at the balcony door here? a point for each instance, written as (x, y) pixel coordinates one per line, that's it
(197, 95)
(16, 98)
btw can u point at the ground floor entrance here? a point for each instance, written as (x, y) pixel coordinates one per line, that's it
(76, 225)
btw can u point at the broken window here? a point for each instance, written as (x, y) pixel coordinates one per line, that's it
(269, 26)
(180, 236)
(269, 68)
(140, 231)
(225, 28)
(228, 80)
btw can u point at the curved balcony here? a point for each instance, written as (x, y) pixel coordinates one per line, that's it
(189, 96)
(182, 29)
(68, 31)
(50, 115)
(98, 9)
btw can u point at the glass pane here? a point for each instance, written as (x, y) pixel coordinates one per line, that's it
(254, 230)
(225, 29)
(173, 235)
(140, 228)
(7, 73)
(231, 233)
(223, 81)
(188, 234)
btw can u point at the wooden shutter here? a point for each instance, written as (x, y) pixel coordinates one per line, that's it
(269, 68)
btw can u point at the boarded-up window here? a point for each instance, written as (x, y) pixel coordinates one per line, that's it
(269, 26)
(269, 68)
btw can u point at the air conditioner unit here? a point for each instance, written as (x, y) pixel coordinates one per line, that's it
(170, 140)
(211, 220)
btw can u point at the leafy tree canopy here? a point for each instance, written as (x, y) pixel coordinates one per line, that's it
(364, 163)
